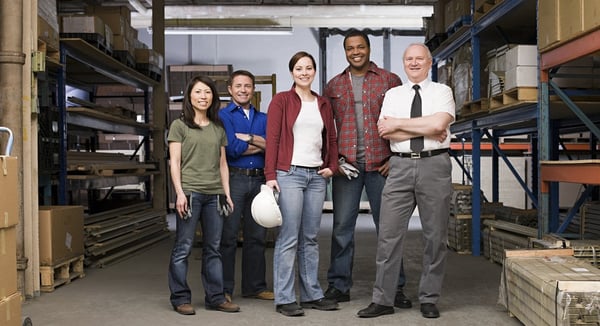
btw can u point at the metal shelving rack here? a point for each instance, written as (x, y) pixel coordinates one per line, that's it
(551, 170)
(84, 66)
(518, 120)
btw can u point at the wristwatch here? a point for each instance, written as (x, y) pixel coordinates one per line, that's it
(250, 139)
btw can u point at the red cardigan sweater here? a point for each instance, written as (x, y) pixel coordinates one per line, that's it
(283, 112)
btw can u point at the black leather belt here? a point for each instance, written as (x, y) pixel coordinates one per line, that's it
(423, 154)
(248, 172)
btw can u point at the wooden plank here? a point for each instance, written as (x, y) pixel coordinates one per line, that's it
(62, 273)
(538, 252)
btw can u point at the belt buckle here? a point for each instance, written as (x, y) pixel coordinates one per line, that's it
(415, 155)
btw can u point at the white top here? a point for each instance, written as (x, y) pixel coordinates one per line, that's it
(308, 139)
(435, 97)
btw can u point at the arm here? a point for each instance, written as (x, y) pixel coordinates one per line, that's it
(224, 169)
(181, 204)
(255, 146)
(399, 129)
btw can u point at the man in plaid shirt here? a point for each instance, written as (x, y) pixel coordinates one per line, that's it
(356, 95)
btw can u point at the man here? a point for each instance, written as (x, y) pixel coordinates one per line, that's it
(245, 127)
(356, 95)
(420, 175)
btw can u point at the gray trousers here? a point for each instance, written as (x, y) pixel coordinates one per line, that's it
(426, 183)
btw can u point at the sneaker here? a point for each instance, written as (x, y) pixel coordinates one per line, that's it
(321, 304)
(290, 309)
(185, 309)
(401, 301)
(337, 295)
(225, 307)
(262, 295)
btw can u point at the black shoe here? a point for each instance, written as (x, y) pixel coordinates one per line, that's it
(429, 310)
(321, 304)
(290, 309)
(401, 301)
(375, 310)
(337, 295)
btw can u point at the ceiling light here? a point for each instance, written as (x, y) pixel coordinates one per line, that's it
(227, 30)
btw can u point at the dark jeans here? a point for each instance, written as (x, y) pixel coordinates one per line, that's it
(204, 209)
(346, 203)
(243, 189)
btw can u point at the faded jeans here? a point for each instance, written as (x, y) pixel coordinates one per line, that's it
(301, 203)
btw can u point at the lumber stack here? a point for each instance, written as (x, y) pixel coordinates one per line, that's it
(550, 287)
(499, 236)
(117, 234)
(460, 226)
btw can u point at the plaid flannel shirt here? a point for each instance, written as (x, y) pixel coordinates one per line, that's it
(339, 91)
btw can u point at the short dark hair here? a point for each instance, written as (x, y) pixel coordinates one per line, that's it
(241, 73)
(299, 55)
(355, 32)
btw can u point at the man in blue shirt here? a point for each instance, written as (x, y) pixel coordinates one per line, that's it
(246, 128)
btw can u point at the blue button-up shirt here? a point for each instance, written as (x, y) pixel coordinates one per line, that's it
(235, 121)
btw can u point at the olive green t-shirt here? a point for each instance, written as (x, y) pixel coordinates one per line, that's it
(200, 156)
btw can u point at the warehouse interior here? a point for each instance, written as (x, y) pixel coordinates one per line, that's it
(89, 87)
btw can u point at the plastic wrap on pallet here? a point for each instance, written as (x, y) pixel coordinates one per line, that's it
(551, 290)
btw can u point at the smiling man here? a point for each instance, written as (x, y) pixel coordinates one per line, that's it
(415, 118)
(356, 96)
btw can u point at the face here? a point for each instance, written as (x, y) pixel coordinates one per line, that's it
(241, 90)
(304, 72)
(416, 63)
(201, 96)
(357, 52)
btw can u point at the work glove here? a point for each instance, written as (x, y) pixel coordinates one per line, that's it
(223, 207)
(349, 170)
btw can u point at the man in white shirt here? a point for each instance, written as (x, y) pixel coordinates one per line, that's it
(420, 175)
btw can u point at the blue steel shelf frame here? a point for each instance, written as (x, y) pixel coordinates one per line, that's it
(549, 130)
(517, 121)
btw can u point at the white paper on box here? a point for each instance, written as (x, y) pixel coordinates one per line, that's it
(68, 240)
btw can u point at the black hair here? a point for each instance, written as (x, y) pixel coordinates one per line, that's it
(187, 109)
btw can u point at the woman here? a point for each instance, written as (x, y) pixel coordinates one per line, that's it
(301, 155)
(200, 176)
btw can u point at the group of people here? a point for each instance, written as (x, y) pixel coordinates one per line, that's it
(359, 134)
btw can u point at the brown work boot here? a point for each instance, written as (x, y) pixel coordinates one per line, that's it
(185, 309)
(263, 295)
(225, 307)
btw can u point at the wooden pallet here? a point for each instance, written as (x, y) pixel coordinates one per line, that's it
(514, 97)
(61, 273)
(475, 108)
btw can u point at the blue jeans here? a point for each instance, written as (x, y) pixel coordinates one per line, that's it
(301, 203)
(204, 209)
(346, 203)
(243, 189)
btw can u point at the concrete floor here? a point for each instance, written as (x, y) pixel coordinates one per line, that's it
(135, 292)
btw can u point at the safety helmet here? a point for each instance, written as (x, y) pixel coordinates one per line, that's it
(265, 209)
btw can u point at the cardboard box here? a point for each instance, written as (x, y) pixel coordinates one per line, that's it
(548, 23)
(8, 262)
(522, 55)
(83, 25)
(10, 310)
(61, 233)
(570, 15)
(522, 76)
(9, 211)
(591, 14)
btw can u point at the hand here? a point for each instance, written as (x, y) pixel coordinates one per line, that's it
(384, 170)
(243, 137)
(325, 173)
(273, 185)
(182, 206)
(441, 136)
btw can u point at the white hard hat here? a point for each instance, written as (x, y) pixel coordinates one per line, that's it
(265, 210)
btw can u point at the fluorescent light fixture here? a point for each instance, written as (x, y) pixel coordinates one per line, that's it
(227, 31)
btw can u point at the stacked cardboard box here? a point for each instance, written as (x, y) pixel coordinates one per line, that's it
(10, 298)
(560, 21)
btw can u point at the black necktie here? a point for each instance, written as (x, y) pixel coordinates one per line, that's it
(416, 144)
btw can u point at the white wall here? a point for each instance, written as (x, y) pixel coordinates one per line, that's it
(265, 55)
